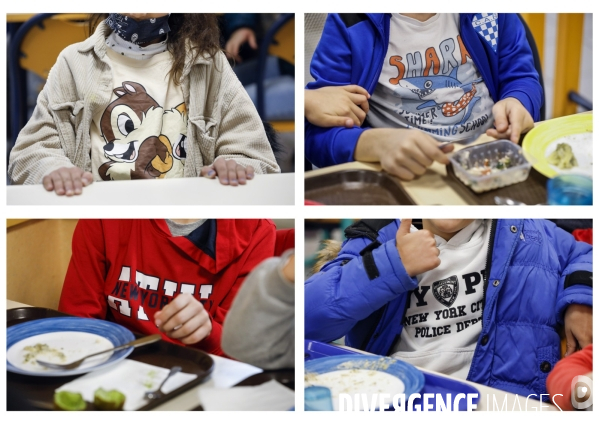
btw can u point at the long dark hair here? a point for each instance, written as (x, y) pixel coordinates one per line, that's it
(201, 29)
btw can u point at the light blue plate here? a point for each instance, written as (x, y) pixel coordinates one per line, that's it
(411, 377)
(115, 333)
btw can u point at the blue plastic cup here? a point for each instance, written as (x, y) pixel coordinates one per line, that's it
(570, 189)
(318, 398)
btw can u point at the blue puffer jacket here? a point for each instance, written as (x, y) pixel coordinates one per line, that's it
(535, 268)
(352, 50)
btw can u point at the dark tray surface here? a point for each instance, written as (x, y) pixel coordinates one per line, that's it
(356, 187)
(33, 392)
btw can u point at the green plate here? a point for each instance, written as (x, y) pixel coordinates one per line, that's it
(576, 130)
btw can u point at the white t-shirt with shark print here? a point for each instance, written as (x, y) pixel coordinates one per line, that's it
(429, 81)
(442, 321)
(142, 133)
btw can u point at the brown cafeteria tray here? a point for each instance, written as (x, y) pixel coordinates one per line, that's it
(356, 187)
(27, 392)
(532, 191)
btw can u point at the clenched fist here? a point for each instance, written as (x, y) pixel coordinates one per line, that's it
(418, 251)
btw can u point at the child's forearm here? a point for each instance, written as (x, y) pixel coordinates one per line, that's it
(372, 142)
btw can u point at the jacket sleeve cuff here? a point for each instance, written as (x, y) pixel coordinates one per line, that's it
(331, 146)
(526, 101)
(391, 269)
(575, 295)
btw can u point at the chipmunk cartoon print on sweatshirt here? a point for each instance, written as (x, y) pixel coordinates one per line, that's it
(142, 140)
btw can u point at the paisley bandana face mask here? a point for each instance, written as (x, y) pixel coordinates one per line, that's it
(138, 32)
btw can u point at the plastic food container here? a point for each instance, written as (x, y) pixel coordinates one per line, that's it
(504, 158)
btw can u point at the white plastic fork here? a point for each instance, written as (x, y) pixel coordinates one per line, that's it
(156, 394)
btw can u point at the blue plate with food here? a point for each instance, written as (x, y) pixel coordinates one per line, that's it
(369, 375)
(62, 341)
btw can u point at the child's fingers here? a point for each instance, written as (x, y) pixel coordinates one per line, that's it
(58, 182)
(232, 172)
(249, 172)
(87, 178)
(47, 182)
(67, 175)
(361, 101)
(500, 117)
(570, 343)
(252, 41)
(515, 125)
(220, 167)
(448, 148)
(241, 174)
(492, 132)
(199, 334)
(430, 147)
(404, 227)
(335, 121)
(208, 172)
(414, 166)
(77, 184)
(351, 115)
(401, 172)
(357, 90)
(421, 157)
(365, 106)
(170, 310)
(179, 319)
(359, 113)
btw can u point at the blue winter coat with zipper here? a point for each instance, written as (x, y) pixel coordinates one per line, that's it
(352, 50)
(535, 269)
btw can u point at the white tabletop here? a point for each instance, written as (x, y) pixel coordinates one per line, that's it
(491, 399)
(226, 373)
(270, 189)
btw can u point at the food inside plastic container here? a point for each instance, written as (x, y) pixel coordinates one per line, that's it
(490, 165)
(501, 164)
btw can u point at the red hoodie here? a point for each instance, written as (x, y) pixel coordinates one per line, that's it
(126, 270)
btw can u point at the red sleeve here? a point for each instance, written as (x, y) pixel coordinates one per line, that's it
(560, 379)
(261, 247)
(83, 289)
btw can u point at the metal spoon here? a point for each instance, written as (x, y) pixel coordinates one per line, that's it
(135, 343)
(157, 394)
(500, 200)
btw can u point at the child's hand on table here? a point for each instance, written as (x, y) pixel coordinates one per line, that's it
(418, 251)
(184, 319)
(511, 120)
(405, 153)
(344, 106)
(67, 180)
(228, 172)
(578, 323)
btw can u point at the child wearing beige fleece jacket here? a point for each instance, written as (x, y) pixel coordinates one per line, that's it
(118, 106)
